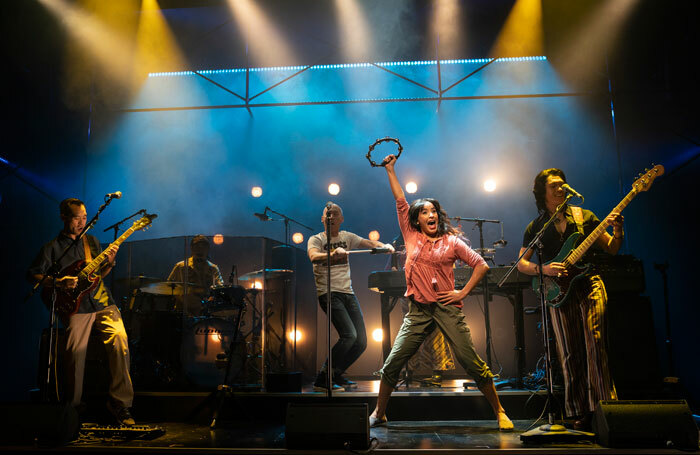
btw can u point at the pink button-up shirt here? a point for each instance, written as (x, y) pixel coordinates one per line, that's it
(429, 265)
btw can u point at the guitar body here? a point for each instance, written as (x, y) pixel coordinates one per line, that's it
(68, 301)
(557, 289)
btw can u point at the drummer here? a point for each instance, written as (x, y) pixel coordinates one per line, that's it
(201, 272)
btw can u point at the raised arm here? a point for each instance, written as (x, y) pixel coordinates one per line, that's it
(393, 180)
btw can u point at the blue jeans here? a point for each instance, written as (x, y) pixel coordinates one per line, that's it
(347, 319)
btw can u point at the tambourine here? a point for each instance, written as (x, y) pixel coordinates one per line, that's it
(379, 141)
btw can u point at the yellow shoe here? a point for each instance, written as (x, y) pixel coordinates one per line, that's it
(504, 423)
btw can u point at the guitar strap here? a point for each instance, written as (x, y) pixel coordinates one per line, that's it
(577, 213)
(88, 254)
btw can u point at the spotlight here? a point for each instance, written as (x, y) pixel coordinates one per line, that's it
(377, 335)
(490, 185)
(256, 191)
(411, 187)
(297, 237)
(374, 235)
(334, 189)
(295, 335)
(218, 239)
(257, 285)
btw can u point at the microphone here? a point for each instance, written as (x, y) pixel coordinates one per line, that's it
(571, 190)
(115, 195)
(262, 216)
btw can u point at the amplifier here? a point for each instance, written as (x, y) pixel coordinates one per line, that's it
(620, 273)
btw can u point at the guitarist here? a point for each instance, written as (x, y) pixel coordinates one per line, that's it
(97, 310)
(579, 323)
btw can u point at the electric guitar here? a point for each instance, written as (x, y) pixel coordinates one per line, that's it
(68, 300)
(557, 289)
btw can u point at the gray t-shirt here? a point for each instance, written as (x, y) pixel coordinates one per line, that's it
(340, 268)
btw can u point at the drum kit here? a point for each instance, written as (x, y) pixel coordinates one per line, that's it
(171, 347)
(174, 348)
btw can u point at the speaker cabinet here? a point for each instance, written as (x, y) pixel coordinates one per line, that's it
(637, 423)
(51, 424)
(327, 426)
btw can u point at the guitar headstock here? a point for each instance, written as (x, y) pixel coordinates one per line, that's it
(645, 180)
(144, 222)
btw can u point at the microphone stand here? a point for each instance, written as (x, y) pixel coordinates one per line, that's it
(549, 430)
(52, 273)
(115, 226)
(484, 282)
(329, 370)
(286, 220)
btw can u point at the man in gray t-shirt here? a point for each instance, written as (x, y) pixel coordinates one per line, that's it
(346, 314)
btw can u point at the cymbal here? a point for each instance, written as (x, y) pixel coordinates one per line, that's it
(136, 281)
(171, 288)
(269, 274)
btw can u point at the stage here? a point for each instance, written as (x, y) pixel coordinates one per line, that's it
(421, 420)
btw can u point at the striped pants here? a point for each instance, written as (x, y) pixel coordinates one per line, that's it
(579, 330)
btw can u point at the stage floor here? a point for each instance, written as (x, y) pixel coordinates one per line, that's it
(448, 419)
(398, 437)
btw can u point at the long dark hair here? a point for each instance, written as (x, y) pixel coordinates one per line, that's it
(540, 187)
(443, 224)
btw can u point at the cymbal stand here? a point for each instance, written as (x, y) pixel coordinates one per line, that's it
(224, 390)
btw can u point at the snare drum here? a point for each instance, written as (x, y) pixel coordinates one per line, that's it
(225, 301)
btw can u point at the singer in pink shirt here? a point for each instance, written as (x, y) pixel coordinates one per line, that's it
(432, 247)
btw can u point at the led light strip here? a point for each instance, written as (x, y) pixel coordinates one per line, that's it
(353, 65)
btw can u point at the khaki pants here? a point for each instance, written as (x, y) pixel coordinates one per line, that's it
(420, 321)
(108, 322)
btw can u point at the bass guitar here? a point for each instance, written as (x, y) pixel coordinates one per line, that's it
(68, 300)
(558, 288)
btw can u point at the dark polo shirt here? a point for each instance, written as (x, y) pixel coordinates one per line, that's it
(100, 297)
(552, 241)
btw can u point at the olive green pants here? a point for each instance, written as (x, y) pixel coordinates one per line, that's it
(420, 321)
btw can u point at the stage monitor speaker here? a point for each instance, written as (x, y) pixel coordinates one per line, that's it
(283, 382)
(327, 426)
(50, 424)
(638, 423)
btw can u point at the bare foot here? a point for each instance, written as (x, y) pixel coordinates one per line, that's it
(504, 423)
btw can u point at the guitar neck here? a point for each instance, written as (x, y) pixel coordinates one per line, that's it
(580, 250)
(97, 262)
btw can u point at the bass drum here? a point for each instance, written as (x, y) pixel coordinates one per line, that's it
(202, 341)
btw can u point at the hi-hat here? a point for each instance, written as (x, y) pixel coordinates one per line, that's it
(172, 288)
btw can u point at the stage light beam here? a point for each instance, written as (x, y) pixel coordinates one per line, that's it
(354, 31)
(490, 185)
(411, 187)
(521, 33)
(218, 239)
(297, 237)
(256, 191)
(265, 43)
(334, 189)
(107, 43)
(378, 335)
(374, 235)
(156, 47)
